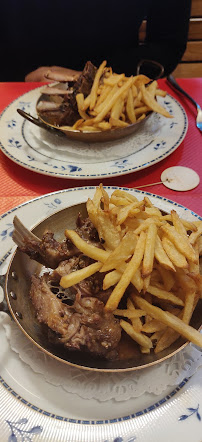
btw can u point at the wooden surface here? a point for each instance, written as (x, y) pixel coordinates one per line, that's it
(196, 9)
(188, 70)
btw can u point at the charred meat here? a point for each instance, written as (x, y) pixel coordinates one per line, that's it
(66, 113)
(47, 250)
(91, 286)
(83, 326)
(76, 315)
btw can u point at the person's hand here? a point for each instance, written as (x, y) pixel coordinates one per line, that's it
(52, 73)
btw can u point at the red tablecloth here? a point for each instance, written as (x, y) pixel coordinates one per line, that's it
(19, 185)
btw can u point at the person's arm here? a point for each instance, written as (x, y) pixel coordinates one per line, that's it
(166, 38)
(52, 73)
(167, 31)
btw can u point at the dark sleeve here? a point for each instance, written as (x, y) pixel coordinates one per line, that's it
(167, 31)
(166, 38)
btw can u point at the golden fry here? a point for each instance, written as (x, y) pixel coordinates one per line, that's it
(148, 259)
(93, 93)
(153, 326)
(140, 250)
(115, 122)
(141, 339)
(114, 79)
(129, 313)
(145, 224)
(88, 249)
(151, 88)
(161, 93)
(195, 235)
(77, 124)
(152, 103)
(107, 230)
(167, 338)
(141, 110)
(80, 105)
(128, 211)
(130, 107)
(161, 255)
(125, 280)
(164, 294)
(117, 109)
(109, 96)
(177, 258)
(121, 253)
(115, 101)
(177, 223)
(171, 321)
(78, 276)
(167, 277)
(103, 95)
(111, 279)
(136, 322)
(180, 241)
(117, 94)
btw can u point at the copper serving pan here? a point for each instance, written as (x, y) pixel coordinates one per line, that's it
(95, 137)
(101, 136)
(84, 137)
(18, 303)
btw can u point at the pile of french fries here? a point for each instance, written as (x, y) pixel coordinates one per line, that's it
(151, 261)
(117, 101)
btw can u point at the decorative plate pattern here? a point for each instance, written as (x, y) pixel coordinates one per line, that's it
(33, 410)
(55, 155)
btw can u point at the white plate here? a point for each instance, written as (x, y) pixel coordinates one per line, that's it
(49, 154)
(48, 413)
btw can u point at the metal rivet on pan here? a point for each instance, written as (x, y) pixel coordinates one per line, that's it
(13, 295)
(14, 275)
(18, 315)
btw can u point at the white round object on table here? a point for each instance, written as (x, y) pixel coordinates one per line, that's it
(180, 178)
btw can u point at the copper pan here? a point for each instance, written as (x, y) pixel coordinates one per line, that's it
(18, 304)
(84, 137)
(99, 136)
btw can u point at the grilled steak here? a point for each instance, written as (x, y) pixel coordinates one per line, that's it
(50, 252)
(84, 83)
(67, 114)
(76, 315)
(84, 325)
(91, 286)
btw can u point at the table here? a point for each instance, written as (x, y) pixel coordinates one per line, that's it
(19, 185)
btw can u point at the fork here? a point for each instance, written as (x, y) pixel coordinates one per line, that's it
(175, 85)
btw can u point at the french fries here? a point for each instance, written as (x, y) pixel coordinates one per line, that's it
(141, 339)
(129, 272)
(171, 321)
(88, 249)
(150, 261)
(79, 275)
(116, 101)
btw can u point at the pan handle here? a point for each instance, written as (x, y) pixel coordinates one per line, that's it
(157, 67)
(31, 118)
(39, 123)
(3, 304)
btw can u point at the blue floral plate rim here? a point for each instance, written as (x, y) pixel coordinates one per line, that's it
(154, 152)
(123, 428)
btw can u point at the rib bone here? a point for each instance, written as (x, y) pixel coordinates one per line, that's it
(21, 234)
